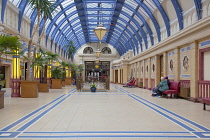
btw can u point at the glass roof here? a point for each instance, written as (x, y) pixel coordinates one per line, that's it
(76, 19)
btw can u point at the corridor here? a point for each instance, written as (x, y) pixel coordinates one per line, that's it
(120, 114)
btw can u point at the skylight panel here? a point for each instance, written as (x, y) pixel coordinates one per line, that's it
(143, 13)
(120, 27)
(150, 4)
(66, 3)
(131, 3)
(136, 28)
(75, 22)
(139, 21)
(122, 22)
(73, 16)
(57, 10)
(124, 17)
(130, 30)
(60, 18)
(107, 5)
(129, 12)
(28, 10)
(92, 5)
(65, 22)
(70, 10)
(51, 31)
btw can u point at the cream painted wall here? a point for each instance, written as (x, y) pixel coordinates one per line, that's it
(206, 66)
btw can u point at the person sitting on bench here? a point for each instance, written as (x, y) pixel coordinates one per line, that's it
(129, 81)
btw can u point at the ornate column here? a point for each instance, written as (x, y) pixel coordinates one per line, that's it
(177, 64)
(149, 73)
(15, 76)
(194, 71)
(157, 70)
(165, 64)
(143, 73)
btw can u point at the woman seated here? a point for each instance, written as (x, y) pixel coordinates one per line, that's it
(162, 86)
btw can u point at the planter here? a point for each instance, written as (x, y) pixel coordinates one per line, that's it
(56, 83)
(29, 89)
(63, 83)
(68, 81)
(93, 89)
(2, 98)
(43, 87)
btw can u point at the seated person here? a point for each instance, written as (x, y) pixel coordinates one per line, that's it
(155, 89)
(162, 87)
(129, 81)
(168, 81)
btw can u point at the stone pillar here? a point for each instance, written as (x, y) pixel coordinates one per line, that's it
(113, 75)
(165, 64)
(15, 76)
(118, 72)
(157, 70)
(177, 64)
(194, 70)
(149, 73)
(125, 73)
(143, 74)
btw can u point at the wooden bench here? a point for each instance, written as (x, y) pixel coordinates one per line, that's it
(206, 101)
(173, 89)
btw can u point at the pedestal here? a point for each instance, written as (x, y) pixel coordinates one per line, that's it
(15, 88)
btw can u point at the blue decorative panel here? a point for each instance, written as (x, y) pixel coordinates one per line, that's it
(205, 43)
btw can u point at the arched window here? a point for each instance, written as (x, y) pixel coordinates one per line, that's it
(88, 50)
(106, 50)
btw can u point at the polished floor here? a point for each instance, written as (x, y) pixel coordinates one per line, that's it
(120, 114)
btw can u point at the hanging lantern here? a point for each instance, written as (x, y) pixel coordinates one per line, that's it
(100, 31)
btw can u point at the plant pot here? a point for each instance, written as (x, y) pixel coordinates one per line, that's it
(93, 89)
(56, 84)
(63, 83)
(43, 87)
(68, 81)
(29, 89)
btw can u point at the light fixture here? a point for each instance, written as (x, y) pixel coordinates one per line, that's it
(100, 31)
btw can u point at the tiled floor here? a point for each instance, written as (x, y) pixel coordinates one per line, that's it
(122, 113)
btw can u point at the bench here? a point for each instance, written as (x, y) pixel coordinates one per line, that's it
(131, 84)
(206, 101)
(173, 89)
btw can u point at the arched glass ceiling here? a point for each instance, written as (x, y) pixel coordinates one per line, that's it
(126, 21)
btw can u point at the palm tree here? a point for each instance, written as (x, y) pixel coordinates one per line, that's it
(70, 49)
(50, 57)
(9, 45)
(42, 6)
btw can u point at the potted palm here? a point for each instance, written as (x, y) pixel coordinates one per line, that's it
(39, 67)
(56, 78)
(93, 87)
(10, 45)
(29, 88)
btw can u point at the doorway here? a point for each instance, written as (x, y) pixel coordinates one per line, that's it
(116, 76)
